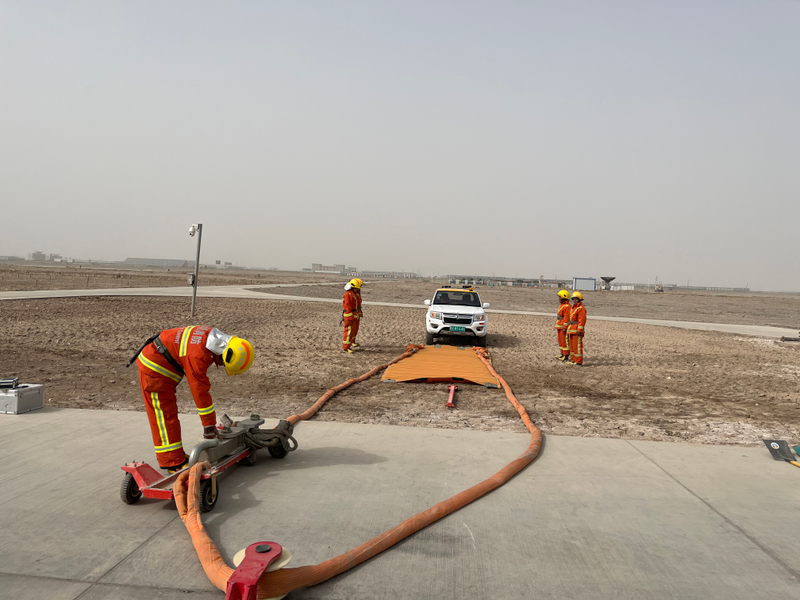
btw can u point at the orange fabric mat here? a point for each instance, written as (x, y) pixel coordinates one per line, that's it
(441, 363)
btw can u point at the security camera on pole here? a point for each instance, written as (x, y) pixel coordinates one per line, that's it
(198, 229)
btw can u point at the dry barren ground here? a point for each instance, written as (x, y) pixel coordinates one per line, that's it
(640, 382)
(89, 277)
(776, 310)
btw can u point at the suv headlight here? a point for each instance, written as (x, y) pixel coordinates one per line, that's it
(479, 317)
(436, 315)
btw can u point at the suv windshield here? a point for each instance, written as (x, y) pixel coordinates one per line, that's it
(445, 297)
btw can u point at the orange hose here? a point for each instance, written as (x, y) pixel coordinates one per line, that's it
(410, 349)
(188, 502)
(284, 581)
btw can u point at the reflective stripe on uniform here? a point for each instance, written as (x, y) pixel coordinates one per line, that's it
(205, 411)
(349, 331)
(160, 421)
(348, 314)
(159, 369)
(187, 333)
(579, 353)
(169, 447)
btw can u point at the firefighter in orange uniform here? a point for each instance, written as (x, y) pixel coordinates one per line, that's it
(564, 311)
(168, 357)
(351, 314)
(576, 328)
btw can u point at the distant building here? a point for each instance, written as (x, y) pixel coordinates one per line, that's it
(339, 269)
(160, 262)
(584, 284)
(38, 255)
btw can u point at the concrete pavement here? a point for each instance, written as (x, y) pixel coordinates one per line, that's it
(251, 291)
(591, 518)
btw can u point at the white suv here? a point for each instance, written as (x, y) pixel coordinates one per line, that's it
(456, 312)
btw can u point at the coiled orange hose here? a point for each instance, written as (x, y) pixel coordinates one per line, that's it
(284, 581)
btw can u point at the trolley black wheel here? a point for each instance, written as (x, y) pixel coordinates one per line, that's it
(277, 451)
(251, 458)
(129, 492)
(207, 498)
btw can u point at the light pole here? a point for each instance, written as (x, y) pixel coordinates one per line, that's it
(198, 229)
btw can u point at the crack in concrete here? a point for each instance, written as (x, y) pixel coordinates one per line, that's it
(753, 539)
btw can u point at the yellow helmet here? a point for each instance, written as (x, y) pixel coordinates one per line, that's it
(577, 295)
(356, 283)
(238, 356)
(563, 294)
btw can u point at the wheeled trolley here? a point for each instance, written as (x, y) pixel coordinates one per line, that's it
(238, 443)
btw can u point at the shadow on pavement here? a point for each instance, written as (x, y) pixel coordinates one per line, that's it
(324, 457)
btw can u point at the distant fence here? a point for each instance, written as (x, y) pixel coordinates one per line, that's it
(507, 281)
(643, 287)
(582, 283)
(709, 289)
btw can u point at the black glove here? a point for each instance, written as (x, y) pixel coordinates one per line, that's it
(210, 432)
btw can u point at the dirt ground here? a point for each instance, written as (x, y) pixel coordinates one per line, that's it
(90, 277)
(640, 382)
(776, 310)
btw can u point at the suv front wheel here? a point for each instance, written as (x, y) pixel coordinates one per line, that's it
(480, 342)
(428, 338)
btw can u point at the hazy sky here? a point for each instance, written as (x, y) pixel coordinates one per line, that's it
(635, 139)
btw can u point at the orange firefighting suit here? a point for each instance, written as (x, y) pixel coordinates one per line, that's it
(159, 379)
(351, 306)
(564, 311)
(575, 329)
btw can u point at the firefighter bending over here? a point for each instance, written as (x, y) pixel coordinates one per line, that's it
(168, 357)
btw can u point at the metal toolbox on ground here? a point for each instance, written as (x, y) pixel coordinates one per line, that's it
(21, 399)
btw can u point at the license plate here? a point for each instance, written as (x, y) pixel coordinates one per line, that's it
(456, 328)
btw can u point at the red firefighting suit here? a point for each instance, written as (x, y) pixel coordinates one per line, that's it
(564, 311)
(351, 305)
(159, 379)
(575, 330)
